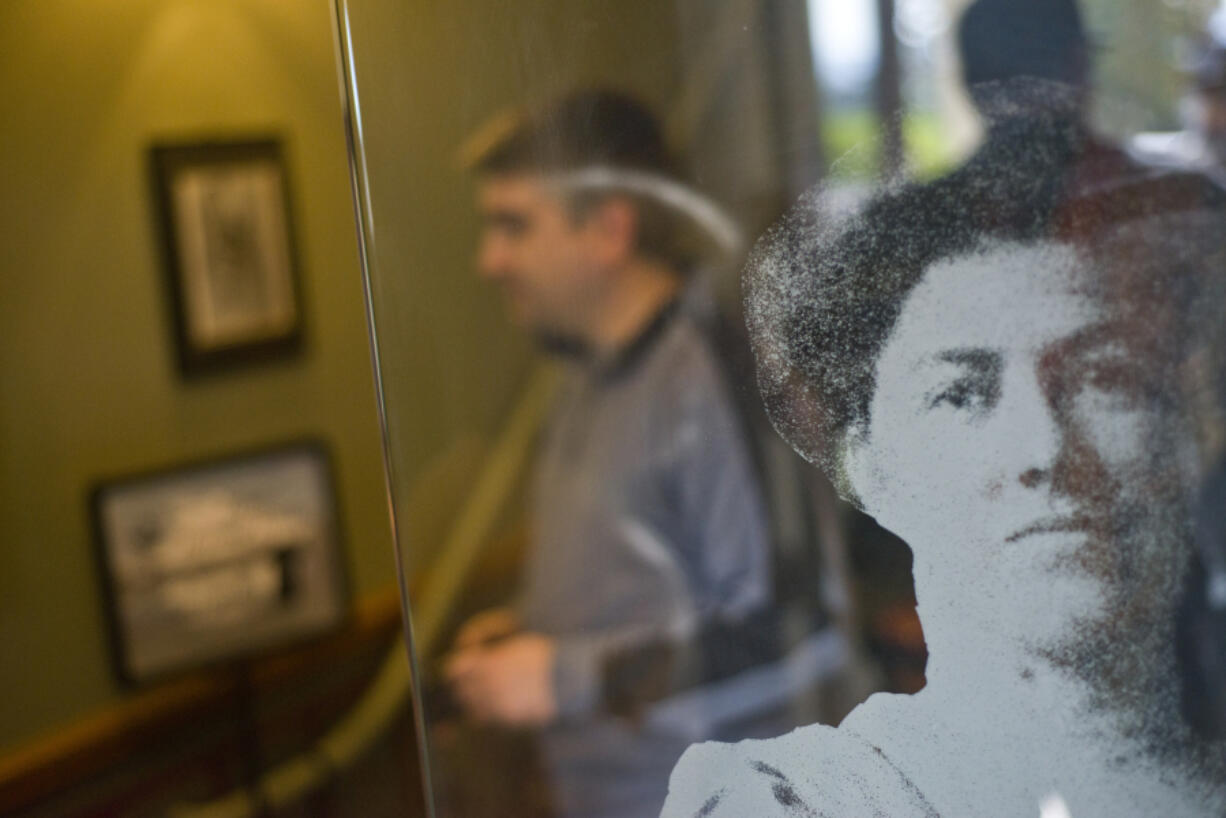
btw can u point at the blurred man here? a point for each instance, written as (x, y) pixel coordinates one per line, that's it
(647, 517)
(1201, 146)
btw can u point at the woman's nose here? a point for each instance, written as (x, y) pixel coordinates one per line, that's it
(1032, 478)
(1038, 431)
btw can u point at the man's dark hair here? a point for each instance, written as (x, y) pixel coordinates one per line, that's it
(583, 129)
(1000, 40)
(596, 129)
(1019, 55)
(822, 300)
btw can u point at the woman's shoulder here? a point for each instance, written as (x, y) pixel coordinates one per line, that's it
(812, 771)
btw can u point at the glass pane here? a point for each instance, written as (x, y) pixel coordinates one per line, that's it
(804, 408)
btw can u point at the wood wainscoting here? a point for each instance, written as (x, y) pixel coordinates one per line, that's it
(200, 735)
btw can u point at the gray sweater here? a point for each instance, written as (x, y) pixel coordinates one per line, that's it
(649, 521)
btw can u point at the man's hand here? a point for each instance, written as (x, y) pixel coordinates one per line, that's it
(508, 683)
(496, 623)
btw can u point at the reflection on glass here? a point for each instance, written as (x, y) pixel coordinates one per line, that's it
(995, 366)
(993, 324)
(645, 616)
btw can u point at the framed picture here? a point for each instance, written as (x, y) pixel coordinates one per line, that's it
(228, 244)
(220, 560)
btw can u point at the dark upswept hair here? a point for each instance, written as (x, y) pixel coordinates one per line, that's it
(822, 298)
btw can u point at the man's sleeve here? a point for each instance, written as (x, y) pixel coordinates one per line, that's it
(727, 548)
(728, 540)
(579, 666)
(721, 546)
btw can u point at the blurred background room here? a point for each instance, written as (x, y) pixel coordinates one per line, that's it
(216, 214)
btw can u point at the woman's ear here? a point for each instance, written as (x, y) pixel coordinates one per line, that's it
(859, 473)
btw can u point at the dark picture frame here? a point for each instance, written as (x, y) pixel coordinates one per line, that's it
(219, 560)
(223, 213)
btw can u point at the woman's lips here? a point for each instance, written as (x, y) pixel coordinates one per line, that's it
(1053, 525)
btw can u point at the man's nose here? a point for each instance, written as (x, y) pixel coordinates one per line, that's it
(491, 258)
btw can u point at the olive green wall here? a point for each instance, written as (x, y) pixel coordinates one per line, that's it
(88, 385)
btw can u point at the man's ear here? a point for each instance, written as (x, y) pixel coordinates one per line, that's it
(614, 226)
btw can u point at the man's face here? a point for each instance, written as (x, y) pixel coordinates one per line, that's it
(1213, 121)
(546, 262)
(1012, 439)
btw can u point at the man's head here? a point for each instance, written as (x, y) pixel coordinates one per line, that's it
(1209, 99)
(555, 238)
(1019, 55)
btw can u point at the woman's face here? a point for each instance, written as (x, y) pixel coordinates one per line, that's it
(1011, 442)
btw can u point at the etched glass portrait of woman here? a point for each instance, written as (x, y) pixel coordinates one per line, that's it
(995, 366)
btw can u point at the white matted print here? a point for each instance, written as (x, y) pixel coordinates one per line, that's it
(221, 560)
(229, 249)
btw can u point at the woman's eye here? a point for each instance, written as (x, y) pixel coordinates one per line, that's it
(1123, 381)
(957, 396)
(973, 394)
(1116, 374)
